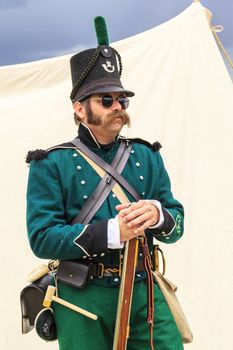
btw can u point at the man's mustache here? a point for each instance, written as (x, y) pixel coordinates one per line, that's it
(118, 114)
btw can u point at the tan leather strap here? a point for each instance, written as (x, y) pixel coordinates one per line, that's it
(117, 190)
(107, 167)
(104, 188)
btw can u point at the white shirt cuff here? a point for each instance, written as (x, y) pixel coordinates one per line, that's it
(114, 234)
(157, 204)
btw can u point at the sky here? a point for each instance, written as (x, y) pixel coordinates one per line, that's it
(35, 29)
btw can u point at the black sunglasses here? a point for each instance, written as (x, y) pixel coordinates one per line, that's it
(107, 101)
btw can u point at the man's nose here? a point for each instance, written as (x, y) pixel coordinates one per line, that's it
(116, 105)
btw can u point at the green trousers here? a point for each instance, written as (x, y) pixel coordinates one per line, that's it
(77, 332)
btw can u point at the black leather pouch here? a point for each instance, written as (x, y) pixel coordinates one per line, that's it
(31, 300)
(74, 273)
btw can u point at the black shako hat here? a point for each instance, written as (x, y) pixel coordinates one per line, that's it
(97, 70)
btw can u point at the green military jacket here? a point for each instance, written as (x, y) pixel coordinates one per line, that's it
(59, 183)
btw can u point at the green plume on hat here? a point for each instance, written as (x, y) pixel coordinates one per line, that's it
(101, 31)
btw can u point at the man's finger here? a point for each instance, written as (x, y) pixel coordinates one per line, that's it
(131, 214)
(139, 230)
(139, 220)
(120, 207)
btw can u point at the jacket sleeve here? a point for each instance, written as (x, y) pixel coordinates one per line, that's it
(172, 228)
(50, 236)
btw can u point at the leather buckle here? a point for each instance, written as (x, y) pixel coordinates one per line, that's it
(100, 270)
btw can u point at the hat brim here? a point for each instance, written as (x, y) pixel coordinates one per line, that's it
(105, 89)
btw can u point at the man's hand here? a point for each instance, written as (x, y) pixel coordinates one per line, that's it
(135, 218)
(126, 233)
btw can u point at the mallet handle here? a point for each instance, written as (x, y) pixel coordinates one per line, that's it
(75, 308)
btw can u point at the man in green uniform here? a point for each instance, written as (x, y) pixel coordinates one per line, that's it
(60, 183)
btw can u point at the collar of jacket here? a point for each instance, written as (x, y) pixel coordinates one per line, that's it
(86, 136)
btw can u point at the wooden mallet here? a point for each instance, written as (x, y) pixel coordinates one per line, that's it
(50, 296)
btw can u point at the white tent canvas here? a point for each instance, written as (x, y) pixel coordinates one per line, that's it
(183, 99)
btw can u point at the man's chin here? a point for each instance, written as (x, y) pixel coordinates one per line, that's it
(116, 125)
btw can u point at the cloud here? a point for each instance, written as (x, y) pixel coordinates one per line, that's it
(9, 4)
(31, 30)
(44, 54)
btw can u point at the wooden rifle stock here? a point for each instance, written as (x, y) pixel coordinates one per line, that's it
(122, 327)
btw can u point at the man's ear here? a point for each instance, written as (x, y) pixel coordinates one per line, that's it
(80, 110)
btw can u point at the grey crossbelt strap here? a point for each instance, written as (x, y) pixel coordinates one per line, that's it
(107, 167)
(106, 184)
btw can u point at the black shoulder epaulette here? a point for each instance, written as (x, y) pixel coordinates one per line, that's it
(36, 155)
(154, 146)
(39, 154)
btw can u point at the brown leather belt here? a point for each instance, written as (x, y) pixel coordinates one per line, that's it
(100, 270)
